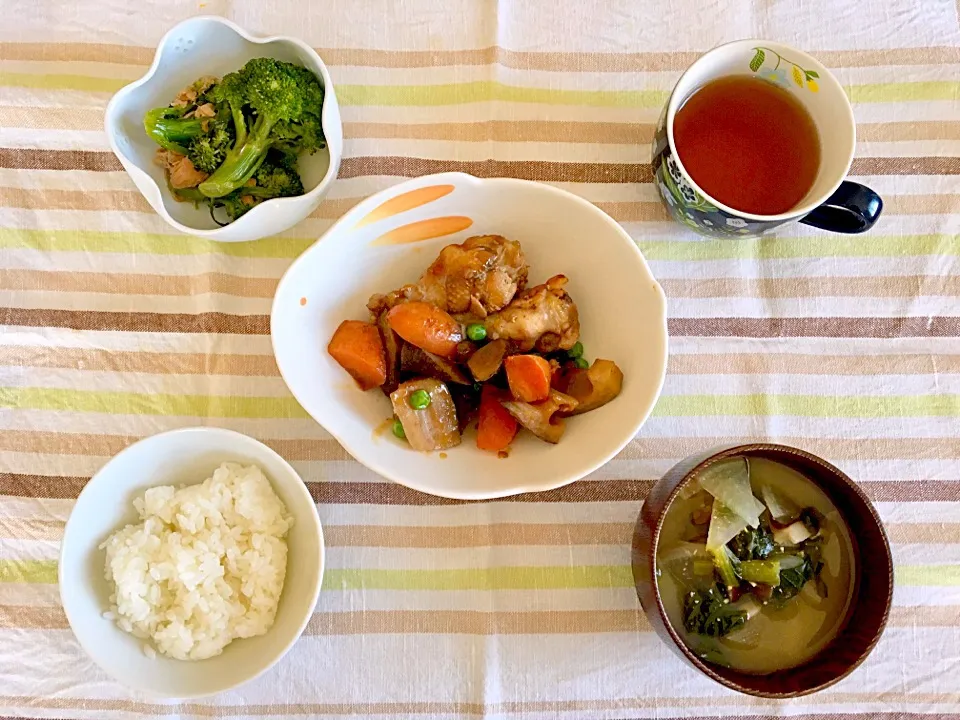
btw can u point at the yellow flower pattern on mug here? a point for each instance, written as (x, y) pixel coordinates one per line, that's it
(778, 75)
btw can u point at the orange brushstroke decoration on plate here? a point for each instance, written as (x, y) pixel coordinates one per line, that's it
(424, 230)
(405, 201)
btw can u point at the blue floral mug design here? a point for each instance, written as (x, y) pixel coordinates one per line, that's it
(832, 204)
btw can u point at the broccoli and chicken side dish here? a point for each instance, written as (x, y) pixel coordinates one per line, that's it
(232, 143)
(470, 341)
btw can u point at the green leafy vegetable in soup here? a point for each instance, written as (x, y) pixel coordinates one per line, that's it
(709, 612)
(755, 566)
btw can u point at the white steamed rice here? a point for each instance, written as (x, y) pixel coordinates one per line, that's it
(205, 566)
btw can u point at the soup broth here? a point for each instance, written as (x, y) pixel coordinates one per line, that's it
(800, 543)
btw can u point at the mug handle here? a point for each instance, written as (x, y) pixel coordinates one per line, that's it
(853, 208)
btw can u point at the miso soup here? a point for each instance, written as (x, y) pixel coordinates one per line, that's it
(755, 566)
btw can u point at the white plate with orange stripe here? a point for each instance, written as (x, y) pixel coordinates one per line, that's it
(388, 240)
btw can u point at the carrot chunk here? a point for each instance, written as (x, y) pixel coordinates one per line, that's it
(426, 326)
(528, 377)
(496, 427)
(358, 348)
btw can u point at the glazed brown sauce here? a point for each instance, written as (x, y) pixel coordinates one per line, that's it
(749, 144)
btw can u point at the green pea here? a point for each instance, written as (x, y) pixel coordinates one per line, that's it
(476, 332)
(419, 399)
(582, 363)
(398, 429)
(576, 351)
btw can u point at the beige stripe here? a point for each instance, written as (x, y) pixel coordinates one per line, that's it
(552, 61)
(570, 622)
(932, 533)
(680, 364)
(507, 131)
(909, 130)
(639, 449)
(493, 535)
(46, 199)
(85, 52)
(897, 286)
(605, 133)
(533, 622)
(921, 204)
(787, 363)
(637, 211)
(536, 534)
(138, 362)
(626, 211)
(18, 528)
(121, 200)
(51, 118)
(137, 284)
(601, 133)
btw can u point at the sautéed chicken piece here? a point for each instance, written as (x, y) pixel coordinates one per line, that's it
(542, 318)
(477, 277)
(470, 340)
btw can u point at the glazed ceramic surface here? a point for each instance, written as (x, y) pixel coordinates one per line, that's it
(187, 456)
(873, 590)
(214, 46)
(796, 72)
(389, 240)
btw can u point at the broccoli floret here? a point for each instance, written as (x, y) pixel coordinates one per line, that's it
(208, 151)
(234, 205)
(170, 130)
(276, 177)
(273, 104)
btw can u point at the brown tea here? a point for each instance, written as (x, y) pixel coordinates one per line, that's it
(749, 144)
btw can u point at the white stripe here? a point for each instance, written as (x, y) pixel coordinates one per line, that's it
(47, 337)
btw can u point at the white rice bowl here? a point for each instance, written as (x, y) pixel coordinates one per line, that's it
(205, 565)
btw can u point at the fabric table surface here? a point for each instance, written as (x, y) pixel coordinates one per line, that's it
(114, 327)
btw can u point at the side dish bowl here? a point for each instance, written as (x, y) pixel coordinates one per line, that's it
(186, 456)
(209, 45)
(388, 240)
(872, 594)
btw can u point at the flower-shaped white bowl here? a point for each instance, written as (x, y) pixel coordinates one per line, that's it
(185, 456)
(214, 46)
(388, 240)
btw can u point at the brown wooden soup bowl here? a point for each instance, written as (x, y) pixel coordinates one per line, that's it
(873, 581)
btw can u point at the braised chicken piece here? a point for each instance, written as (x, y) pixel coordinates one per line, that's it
(180, 169)
(475, 278)
(542, 318)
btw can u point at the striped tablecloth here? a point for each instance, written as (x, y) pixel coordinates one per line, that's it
(114, 328)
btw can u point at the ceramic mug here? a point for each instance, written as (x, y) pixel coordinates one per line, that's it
(833, 203)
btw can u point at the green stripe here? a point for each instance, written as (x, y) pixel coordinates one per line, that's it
(904, 92)
(127, 403)
(497, 578)
(152, 243)
(28, 571)
(928, 575)
(759, 405)
(780, 248)
(880, 246)
(764, 405)
(489, 90)
(62, 82)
